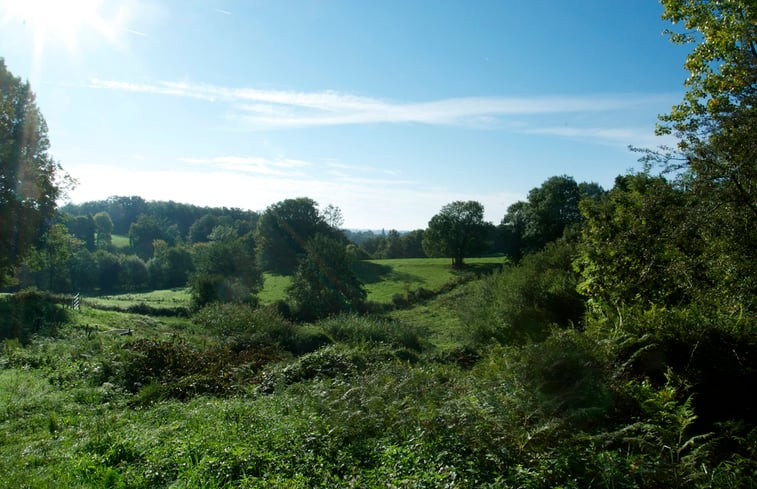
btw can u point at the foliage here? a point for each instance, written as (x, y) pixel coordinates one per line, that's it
(170, 266)
(551, 209)
(457, 231)
(30, 180)
(520, 303)
(104, 227)
(242, 324)
(283, 231)
(225, 269)
(143, 233)
(30, 312)
(324, 282)
(633, 247)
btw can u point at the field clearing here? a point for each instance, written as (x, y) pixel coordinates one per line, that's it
(119, 241)
(274, 288)
(157, 298)
(384, 278)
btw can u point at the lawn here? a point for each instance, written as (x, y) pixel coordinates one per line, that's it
(157, 298)
(119, 241)
(384, 278)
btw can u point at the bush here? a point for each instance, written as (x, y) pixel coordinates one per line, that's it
(354, 329)
(247, 326)
(521, 303)
(31, 312)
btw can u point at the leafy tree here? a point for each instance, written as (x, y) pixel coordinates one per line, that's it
(716, 123)
(333, 216)
(83, 228)
(48, 262)
(283, 230)
(551, 209)
(324, 283)
(83, 270)
(412, 244)
(133, 273)
(104, 227)
(201, 228)
(170, 266)
(30, 180)
(633, 249)
(225, 269)
(457, 231)
(142, 234)
(109, 270)
(124, 211)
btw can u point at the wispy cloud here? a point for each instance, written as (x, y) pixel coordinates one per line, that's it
(136, 33)
(271, 109)
(257, 165)
(222, 11)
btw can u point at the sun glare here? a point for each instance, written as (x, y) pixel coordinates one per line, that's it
(56, 21)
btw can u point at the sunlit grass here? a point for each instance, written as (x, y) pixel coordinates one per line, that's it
(119, 241)
(156, 298)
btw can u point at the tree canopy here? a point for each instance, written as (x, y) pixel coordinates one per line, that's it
(457, 231)
(283, 230)
(30, 180)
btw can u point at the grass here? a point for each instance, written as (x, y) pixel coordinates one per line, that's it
(179, 297)
(119, 241)
(274, 288)
(384, 278)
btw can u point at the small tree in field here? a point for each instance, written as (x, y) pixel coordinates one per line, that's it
(324, 283)
(457, 231)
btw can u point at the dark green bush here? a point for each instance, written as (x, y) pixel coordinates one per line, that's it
(521, 303)
(31, 312)
(354, 329)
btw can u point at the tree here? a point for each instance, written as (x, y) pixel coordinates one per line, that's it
(104, 227)
(457, 231)
(142, 234)
(283, 230)
(83, 228)
(225, 269)
(633, 250)
(30, 180)
(551, 209)
(201, 228)
(324, 283)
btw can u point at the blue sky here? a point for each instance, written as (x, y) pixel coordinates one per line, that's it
(387, 109)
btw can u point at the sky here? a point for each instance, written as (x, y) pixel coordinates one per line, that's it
(386, 109)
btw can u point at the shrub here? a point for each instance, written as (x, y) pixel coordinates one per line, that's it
(247, 326)
(30, 312)
(354, 329)
(521, 303)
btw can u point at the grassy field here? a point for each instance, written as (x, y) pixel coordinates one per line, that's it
(156, 298)
(384, 278)
(120, 241)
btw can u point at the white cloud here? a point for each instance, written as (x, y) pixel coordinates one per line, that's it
(251, 164)
(270, 109)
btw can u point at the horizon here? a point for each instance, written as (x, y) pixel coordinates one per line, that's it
(388, 111)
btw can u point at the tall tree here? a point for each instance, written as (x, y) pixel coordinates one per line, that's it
(104, 227)
(457, 231)
(142, 234)
(30, 180)
(324, 283)
(283, 230)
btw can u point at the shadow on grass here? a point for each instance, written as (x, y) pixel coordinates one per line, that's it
(477, 269)
(371, 273)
